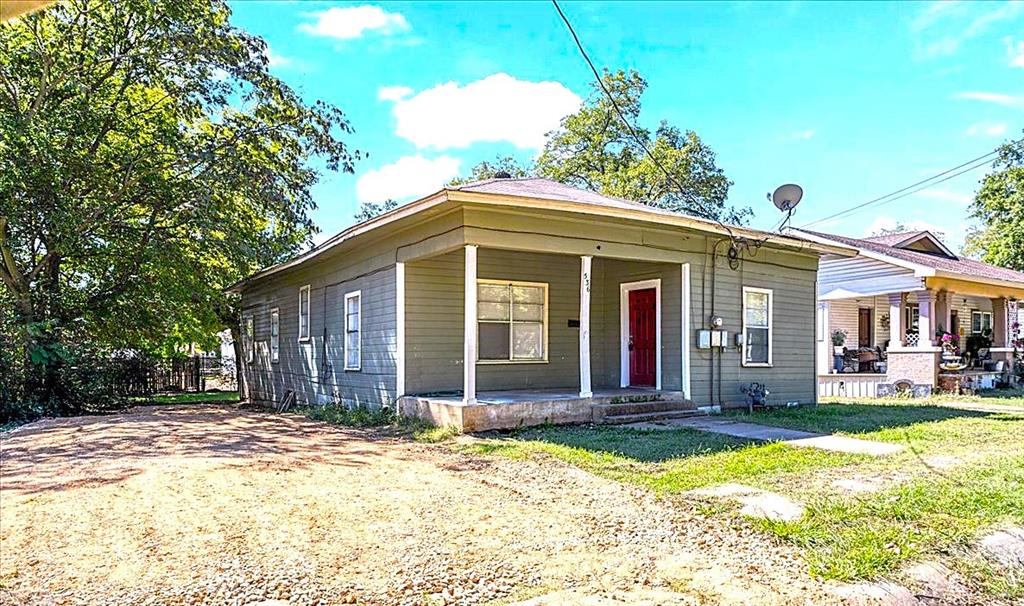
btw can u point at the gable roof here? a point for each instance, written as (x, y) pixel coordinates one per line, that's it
(539, 193)
(908, 238)
(959, 266)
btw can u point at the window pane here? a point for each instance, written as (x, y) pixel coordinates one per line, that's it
(757, 345)
(528, 341)
(352, 350)
(521, 311)
(528, 294)
(353, 305)
(492, 311)
(352, 322)
(493, 341)
(757, 309)
(494, 293)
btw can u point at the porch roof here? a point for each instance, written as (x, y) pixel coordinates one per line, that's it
(553, 196)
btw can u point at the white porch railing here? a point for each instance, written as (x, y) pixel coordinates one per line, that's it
(849, 385)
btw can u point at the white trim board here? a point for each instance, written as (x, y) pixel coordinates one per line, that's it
(624, 290)
(399, 330)
(686, 332)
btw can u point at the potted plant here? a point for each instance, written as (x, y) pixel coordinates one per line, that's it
(950, 342)
(838, 349)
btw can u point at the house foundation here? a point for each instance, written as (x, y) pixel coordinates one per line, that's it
(913, 369)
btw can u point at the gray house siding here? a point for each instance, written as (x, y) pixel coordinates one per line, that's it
(434, 266)
(315, 369)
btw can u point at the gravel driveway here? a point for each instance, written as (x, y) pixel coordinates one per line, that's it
(213, 505)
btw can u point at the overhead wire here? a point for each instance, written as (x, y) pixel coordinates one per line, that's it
(903, 192)
(632, 130)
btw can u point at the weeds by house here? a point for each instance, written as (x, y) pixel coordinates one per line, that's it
(383, 418)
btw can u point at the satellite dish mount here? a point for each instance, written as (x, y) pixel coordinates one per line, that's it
(785, 198)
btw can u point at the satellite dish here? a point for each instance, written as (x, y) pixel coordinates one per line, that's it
(787, 196)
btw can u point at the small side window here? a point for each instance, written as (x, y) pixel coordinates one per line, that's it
(757, 326)
(353, 330)
(304, 313)
(248, 337)
(275, 335)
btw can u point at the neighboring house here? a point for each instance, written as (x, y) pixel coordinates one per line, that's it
(523, 301)
(895, 299)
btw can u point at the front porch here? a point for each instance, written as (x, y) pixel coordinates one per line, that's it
(508, 409)
(914, 339)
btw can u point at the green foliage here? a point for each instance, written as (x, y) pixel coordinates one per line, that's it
(593, 149)
(486, 170)
(205, 397)
(369, 210)
(359, 416)
(150, 160)
(999, 206)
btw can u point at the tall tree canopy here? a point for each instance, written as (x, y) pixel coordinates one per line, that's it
(150, 159)
(999, 205)
(594, 149)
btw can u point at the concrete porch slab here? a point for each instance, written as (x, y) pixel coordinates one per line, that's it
(522, 408)
(767, 433)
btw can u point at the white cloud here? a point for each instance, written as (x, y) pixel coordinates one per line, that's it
(409, 176)
(1015, 52)
(393, 93)
(276, 60)
(497, 108)
(995, 98)
(346, 23)
(800, 135)
(950, 17)
(990, 129)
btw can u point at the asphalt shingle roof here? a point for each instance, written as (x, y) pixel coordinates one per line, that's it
(957, 265)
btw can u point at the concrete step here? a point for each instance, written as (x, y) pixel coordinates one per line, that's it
(631, 408)
(644, 417)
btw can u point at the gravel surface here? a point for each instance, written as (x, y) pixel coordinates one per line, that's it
(213, 505)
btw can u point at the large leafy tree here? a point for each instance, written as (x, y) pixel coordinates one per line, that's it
(999, 206)
(488, 169)
(150, 160)
(594, 149)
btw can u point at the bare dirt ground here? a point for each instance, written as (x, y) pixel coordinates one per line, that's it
(213, 505)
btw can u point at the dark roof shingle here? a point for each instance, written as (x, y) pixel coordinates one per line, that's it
(960, 265)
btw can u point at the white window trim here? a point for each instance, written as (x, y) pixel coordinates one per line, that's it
(275, 342)
(356, 294)
(542, 360)
(771, 328)
(309, 313)
(982, 313)
(249, 338)
(624, 289)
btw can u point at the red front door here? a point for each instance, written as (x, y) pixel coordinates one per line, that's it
(642, 337)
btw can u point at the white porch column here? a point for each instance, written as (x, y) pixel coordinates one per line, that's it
(926, 318)
(1000, 323)
(585, 266)
(399, 329)
(896, 338)
(469, 347)
(824, 339)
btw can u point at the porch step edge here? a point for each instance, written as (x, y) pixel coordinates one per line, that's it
(626, 419)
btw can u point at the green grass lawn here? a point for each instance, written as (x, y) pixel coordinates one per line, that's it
(961, 473)
(190, 398)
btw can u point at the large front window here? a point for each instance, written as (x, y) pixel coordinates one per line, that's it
(757, 326)
(512, 321)
(981, 322)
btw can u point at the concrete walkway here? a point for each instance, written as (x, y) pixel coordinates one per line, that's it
(767, 433)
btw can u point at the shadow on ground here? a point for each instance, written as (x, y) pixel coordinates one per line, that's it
(112, 448)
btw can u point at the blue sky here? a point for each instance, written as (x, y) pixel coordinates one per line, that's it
(851, 101)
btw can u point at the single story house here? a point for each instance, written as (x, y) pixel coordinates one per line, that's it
(521, 301)
(896, 299)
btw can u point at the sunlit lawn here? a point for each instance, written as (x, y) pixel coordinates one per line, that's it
(202, 397)
(961, 473)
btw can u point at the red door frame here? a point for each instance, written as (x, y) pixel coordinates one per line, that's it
(641, 368)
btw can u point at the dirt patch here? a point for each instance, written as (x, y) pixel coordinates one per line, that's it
(212, 505)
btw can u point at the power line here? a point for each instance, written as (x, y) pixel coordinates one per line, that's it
(618, 110)
(899, 193)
